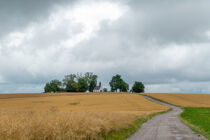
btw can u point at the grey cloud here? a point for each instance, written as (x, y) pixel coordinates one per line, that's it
(161, 43)
(174, 21)
(17, 14)
(134, 45)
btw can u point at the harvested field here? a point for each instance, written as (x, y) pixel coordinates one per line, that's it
(184, 100)
(26, 95)
(123, 103)
(71, 117)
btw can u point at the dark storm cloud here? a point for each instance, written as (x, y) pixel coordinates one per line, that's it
(16, 14)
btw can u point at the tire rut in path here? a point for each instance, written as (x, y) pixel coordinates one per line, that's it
(165, 126)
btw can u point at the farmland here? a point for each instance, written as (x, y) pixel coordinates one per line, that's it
(184, 100)
(70, 116)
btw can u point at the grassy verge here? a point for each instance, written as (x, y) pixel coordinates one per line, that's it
(124, 133)
(198, 119)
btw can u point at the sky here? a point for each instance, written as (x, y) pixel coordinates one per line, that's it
(163, 43)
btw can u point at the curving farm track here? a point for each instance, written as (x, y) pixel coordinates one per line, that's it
(165, 126)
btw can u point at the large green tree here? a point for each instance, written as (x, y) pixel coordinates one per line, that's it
(53, 86)
(82, 85)
(117, 83)
(71, 86)
(67, 78)
(92, 80)
(124, 87)
(69, 83)
(138, 87)
(114, 83)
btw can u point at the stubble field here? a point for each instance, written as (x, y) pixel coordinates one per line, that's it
(184, 100)
(71, 116)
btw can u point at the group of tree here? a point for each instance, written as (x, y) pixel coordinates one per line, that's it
(73, 83)
(88, 81)
(117, 84)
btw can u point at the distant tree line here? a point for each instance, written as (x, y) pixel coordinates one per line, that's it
(118, 84)
(88, 81)
(73, 83)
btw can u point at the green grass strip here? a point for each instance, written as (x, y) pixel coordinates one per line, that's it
(198, 119)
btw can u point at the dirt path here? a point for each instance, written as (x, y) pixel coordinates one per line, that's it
(165, 126)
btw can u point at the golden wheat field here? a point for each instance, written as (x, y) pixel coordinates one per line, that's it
(70, 116)
(185, 100)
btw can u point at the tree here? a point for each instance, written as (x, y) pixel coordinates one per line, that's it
(53, 86)
(71, 86)
(82, 85)
(105, 90)
(117, 83)
(92, 80)
(47, 88)
(138, 87)
(69, 83)
(67, 78)
(73, 83)
(124, 87)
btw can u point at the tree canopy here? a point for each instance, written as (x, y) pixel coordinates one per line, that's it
(73, 83)
(138, 87)
(92, 80)
(117, 83)
(69, 83)
(88, 81)
(53, 86)
(82, 85)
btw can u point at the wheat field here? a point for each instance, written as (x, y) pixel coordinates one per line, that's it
(184, 100)
(69, 116)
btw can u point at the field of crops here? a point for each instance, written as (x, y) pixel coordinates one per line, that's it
(71, 116)
(184, 100)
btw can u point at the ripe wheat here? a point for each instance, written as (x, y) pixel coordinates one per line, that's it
(185, 100)
(71, 117)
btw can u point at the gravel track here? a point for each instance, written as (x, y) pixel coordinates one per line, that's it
(165, 126)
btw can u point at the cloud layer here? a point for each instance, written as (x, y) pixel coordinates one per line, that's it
(164, 44)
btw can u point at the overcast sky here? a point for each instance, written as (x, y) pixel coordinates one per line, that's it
(164, 43)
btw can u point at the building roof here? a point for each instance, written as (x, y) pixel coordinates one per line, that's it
(97, 87)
